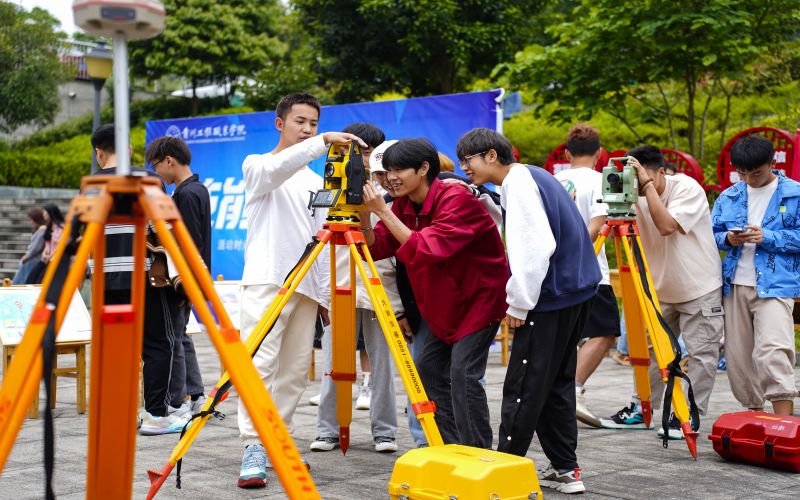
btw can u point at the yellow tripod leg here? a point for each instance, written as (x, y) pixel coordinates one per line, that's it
(422, 406)
(285, 458)
(343, 329)
(24, 375)
(637, 337)
(252, 343)
(659, 339)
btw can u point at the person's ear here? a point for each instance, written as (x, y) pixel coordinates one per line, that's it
(491, 156)
(279, 123)
(595, 156)
(423, 170)
(772, 165)
(567, 155)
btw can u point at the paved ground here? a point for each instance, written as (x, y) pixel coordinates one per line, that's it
(616, 464)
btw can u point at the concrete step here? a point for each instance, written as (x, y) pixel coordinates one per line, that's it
(9, 234)
(13, 245)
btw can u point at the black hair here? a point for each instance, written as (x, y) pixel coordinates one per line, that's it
(751, 152)
(168, 146)
(286, 103)
(367, 132)
(481, 140)
(670, 166)
(103, 138)
(583, 140)
(55, 219)
(411, 153)
(649, 156)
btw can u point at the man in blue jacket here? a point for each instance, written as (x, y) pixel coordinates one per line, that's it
(756, 222)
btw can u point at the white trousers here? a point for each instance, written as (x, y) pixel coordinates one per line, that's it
(284, 358)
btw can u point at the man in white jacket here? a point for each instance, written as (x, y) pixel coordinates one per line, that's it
(281, 223)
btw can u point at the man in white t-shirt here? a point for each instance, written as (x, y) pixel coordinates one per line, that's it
(675, 228)
(281, 223)
(757, 222)
(602, 327)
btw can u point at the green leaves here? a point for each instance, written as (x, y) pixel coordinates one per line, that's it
(30, 71)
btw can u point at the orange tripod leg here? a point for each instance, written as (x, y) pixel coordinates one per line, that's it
(116, 355)
(286, 460)
(252, 343)
(343, 329)
(22, 380)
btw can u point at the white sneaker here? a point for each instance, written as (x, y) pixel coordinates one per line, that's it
(314, 400)
(568, 482)
(197, 405)
(153, 426)
(364, 396)
(184, 411)
(581, 411)
(385, 444)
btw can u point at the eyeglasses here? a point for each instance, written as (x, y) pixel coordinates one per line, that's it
(463, 163)
(153, 166)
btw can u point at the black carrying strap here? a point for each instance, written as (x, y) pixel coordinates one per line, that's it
(674, 367)
(49, 351)
(224, 388)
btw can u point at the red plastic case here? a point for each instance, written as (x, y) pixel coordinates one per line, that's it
(758, 438)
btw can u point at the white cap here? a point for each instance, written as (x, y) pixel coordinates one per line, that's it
(376, 157)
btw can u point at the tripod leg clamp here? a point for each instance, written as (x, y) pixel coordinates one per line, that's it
(639, 361)
(348, 377)
(424, 407)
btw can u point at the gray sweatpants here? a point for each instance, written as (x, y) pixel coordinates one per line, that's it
(700, 322)
(759, 347)
(186, 378)
(382, 407)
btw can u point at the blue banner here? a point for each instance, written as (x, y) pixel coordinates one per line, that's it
(219, 145)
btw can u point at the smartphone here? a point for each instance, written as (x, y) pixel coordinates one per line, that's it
(737, 230)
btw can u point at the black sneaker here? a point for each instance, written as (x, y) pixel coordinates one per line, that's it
(675, 429)
(325, 444)
(626, 418)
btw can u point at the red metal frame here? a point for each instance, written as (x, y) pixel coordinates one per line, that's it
(557, 160)
(786, 154)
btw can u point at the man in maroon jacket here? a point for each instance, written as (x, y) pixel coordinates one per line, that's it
(458, 270)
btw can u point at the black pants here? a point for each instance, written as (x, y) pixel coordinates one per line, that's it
(156, 343)
(451, 375)
(539, 390)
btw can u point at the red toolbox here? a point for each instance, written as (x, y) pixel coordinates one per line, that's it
(758, 438)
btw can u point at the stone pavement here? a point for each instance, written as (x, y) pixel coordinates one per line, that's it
(616, 464)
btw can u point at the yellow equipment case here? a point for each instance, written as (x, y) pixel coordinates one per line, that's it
(455, 472)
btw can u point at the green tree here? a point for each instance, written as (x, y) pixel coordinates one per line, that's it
(30, 71)
(207, 41)
(367, 47)
(610, 51)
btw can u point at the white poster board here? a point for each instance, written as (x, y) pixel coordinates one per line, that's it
(16, 306)
(230, 293)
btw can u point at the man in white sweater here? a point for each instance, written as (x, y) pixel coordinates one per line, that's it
(281, 223)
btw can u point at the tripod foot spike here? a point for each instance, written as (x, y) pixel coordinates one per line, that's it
(344, 438)
(157, 479)
(647, 413)
(691, 438)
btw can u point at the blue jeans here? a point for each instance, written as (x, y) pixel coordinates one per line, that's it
(416, 347)
(451, 374)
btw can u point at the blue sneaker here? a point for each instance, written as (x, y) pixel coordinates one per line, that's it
(626, 418)
(253, 473)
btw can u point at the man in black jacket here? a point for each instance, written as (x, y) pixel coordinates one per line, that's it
(158, 330)
(170, 158)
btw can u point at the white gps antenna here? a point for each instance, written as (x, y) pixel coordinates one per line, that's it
(121, 20)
